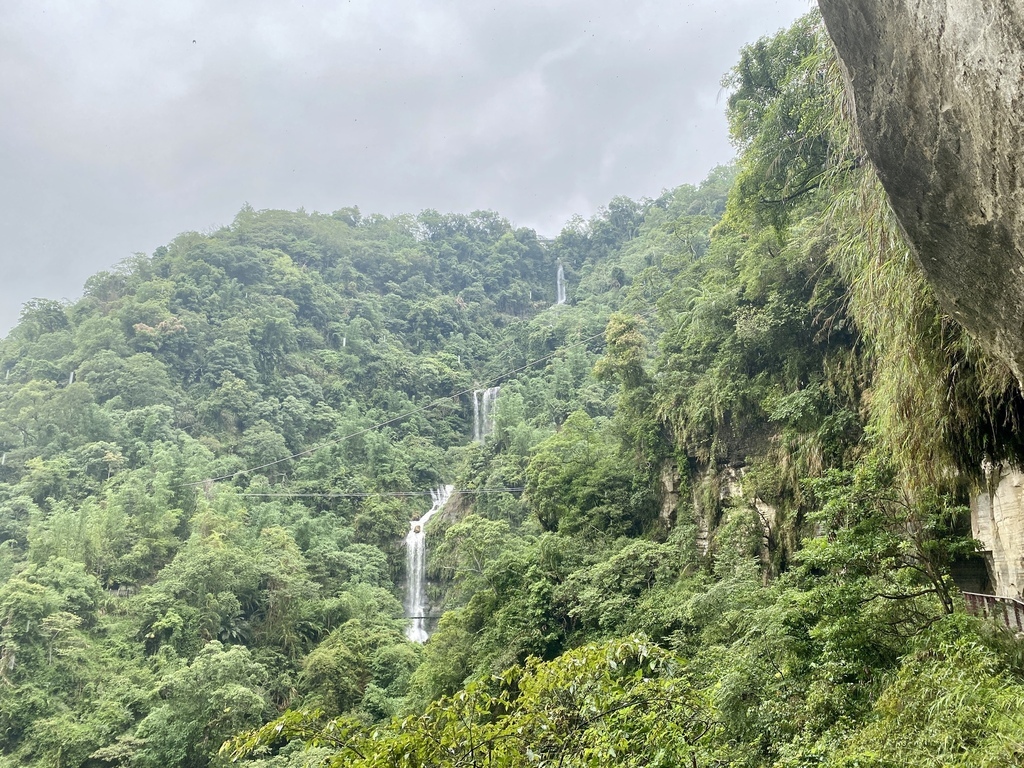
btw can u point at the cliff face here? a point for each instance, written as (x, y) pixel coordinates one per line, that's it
(938, 87)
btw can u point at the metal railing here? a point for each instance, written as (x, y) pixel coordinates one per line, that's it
(1008, 610)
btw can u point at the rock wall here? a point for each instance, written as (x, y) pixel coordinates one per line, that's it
(938, 89)
(728, 497)
(997, 521)
(670, 487)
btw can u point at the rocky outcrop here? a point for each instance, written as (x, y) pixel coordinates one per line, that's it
(938, 89)
(670, 487)
(717, 493)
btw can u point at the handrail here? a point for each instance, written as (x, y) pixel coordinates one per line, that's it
(1008, 610)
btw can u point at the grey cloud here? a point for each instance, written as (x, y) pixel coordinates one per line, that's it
(127, 123)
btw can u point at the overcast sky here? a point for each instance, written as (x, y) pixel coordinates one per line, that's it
(125, 123)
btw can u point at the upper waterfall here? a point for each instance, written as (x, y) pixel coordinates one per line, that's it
(560, 285)
(483, 412)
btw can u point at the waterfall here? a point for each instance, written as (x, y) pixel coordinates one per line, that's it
(476, 416)
(483, 412)
(416, 568)
(560, 284)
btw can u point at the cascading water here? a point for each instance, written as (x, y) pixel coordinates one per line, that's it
(476, 416)
(416, 568)
(483, 412)
(560, 284)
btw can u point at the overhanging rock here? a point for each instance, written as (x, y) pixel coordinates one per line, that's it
(939, 93)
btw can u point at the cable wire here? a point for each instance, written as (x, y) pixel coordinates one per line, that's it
(367, 494)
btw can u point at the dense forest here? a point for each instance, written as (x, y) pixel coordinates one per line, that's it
(715, 523)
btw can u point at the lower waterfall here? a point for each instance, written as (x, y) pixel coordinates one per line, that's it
(416, 568)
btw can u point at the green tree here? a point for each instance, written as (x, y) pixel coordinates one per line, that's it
(201, 705)
(625, 703)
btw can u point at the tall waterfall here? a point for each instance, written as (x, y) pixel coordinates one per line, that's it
(560, 284)
(483, 412)
(416, 567)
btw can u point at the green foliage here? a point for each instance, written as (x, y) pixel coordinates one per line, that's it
(940, 403)
(623, 703)
(951, 702)
(576, 481)
(218, 353)
(216, 695)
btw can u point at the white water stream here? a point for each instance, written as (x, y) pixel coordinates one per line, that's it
(483, 412)
(560, 284)
(416, 568)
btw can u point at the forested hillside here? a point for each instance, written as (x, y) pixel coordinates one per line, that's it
(714, 524)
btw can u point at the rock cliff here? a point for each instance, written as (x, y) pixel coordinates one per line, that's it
(938, 88)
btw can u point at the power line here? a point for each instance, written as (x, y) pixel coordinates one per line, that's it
(406, 414)
(368, 494)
